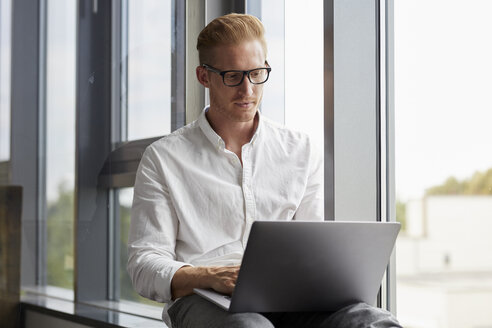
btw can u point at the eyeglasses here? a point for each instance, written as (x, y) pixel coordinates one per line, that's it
(234, 78)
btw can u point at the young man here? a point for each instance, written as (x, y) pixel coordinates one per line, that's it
(198, 190)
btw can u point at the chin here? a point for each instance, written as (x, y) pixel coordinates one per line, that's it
(234, 113)
(245, 115)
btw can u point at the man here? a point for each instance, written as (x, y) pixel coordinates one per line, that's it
(198, 190)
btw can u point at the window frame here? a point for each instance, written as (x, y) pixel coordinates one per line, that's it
(359, 116)
(25, 131)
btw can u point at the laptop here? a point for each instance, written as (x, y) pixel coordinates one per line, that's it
(302, 266)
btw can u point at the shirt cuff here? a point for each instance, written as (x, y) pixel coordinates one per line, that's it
(162, 281)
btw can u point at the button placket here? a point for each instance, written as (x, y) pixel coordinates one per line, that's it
(250, 204)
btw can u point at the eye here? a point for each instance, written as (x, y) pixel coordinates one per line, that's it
(256, 73)
(233, 75)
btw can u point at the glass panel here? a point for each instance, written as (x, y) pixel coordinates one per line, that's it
(443, 168)
(149, 68)
(304, 68)
(5, 31)
(126, 289)
(60, 140)
(294, 33)
(273, 18)
(148, 111)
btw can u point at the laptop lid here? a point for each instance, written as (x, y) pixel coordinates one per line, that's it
(295, 266)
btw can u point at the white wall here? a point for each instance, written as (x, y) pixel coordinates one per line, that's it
(450, 233)
(444, 263)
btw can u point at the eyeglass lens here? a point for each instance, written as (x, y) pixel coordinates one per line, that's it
(256, 76)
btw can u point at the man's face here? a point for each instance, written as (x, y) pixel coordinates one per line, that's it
(239, 103)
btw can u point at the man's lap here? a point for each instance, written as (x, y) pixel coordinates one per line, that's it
(194, 311)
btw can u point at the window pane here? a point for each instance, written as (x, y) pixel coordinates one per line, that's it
(126, 289)
(149, 68)
(304, 68)
(60, 140)
(443, 112)
(273, 18)
(5, 31)
(294, 92)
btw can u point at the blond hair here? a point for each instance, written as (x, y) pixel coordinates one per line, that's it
(229, 29)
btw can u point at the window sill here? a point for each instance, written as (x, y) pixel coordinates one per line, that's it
(94, 314)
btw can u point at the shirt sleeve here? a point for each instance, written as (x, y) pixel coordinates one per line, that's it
(153, 231)
(312, 203)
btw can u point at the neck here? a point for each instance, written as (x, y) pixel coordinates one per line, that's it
(235, 134)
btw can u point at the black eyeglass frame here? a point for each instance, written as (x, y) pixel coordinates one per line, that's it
(247, 73)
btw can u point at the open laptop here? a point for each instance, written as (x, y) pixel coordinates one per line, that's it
(297, 266)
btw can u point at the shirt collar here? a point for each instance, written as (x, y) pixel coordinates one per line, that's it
(211, 135)
(214, 138)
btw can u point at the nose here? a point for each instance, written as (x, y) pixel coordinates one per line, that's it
(246, 88)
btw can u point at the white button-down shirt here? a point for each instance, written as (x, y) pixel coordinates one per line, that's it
(194, 202)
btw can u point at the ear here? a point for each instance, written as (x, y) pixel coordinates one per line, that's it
(202, 76)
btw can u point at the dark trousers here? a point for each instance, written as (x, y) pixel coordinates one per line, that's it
(194, 311)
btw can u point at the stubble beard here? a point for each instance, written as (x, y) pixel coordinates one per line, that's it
(235, 114)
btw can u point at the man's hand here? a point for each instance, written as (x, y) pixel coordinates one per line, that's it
(223, 279)
(220, 278)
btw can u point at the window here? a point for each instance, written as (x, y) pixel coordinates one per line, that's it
(443, 162)
(304, 68)
(97, 97)
(60, 142)
(293, 94)
(126, 289)
(146, 109)
(149, 68)
(272, 14)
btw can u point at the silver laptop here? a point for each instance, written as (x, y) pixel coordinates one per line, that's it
(297, 266)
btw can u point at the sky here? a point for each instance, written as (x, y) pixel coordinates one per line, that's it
(149, 69)
(443, 82)
(304, 106)
(60, 97)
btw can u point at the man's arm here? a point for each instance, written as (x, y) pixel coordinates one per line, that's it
(152, 264)
(153, 232)
(221, 279)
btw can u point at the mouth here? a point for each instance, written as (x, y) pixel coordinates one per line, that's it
(244, 104)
